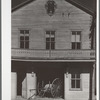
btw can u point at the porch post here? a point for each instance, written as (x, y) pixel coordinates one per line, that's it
(13, 85)
(93, 82)
(66, 84)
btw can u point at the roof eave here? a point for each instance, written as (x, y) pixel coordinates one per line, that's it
(21, 5)
(80, 6)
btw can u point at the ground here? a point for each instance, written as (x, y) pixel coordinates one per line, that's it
(20, 98)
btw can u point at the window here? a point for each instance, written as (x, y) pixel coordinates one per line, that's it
(76, 81)
(24, 39)
(76, 40)
(50, 40)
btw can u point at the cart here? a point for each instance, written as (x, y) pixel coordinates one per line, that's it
(53, 89)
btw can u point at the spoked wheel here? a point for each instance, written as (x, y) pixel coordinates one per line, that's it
(40, 90)
(56, 88)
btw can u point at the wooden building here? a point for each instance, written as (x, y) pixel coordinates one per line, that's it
(50, 39)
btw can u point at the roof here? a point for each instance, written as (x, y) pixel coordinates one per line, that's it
(88, 6)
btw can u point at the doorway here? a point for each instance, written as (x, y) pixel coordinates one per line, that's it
(20, 77)
(51, 74)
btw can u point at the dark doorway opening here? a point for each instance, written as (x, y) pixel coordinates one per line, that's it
(20, 78)
(45, 71)
(47, 75)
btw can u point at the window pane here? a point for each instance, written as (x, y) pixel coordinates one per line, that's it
(78, 46)
(21, 37)
(52, 45)
(47, 45)
(78, 38)
(26, 31)
(26, 37)
(78, 32)
(73, 75)
(47, 39)
(53, 39)
(77, 83)
(52, 34)
(27, 44)
(77, 75)
(21, 31)
(47, 33)
(73, 83)
(73, 38)
(21, 44)
(73, 45)
(73, 32)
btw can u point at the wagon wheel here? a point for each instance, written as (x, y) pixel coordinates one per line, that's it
(56, 88)
(40, 90)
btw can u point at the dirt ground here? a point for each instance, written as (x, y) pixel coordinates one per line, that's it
(48, 99)
(38, 98)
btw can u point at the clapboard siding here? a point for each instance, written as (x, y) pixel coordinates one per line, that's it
(84, 92)
(33, 16)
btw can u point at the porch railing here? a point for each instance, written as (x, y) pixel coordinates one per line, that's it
(53, 54)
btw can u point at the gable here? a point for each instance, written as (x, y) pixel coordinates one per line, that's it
(66, 15)
(65, 19)
(78, 5)
(37, 8)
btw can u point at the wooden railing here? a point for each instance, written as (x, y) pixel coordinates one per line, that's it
(54, 54)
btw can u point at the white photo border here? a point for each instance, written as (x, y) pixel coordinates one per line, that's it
(6, 49)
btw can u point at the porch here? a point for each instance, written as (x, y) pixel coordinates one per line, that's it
(48, 71)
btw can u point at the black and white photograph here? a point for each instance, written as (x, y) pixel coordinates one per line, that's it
(53, 50)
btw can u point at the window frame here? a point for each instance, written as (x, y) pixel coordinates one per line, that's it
(76, 43)
(24, 38)
(75, 89)
(50, 41)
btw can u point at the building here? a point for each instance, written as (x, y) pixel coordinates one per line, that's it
(50, 39)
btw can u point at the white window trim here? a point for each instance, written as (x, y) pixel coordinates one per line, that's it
(75, 89)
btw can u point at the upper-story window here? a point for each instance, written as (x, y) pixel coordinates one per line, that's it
(76, 40)
(50, 40)
(24, 39)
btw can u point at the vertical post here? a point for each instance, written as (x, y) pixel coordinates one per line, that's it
(13, 85)
(93, 82)
(42, 84)
(66, 84)
(50, 46)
